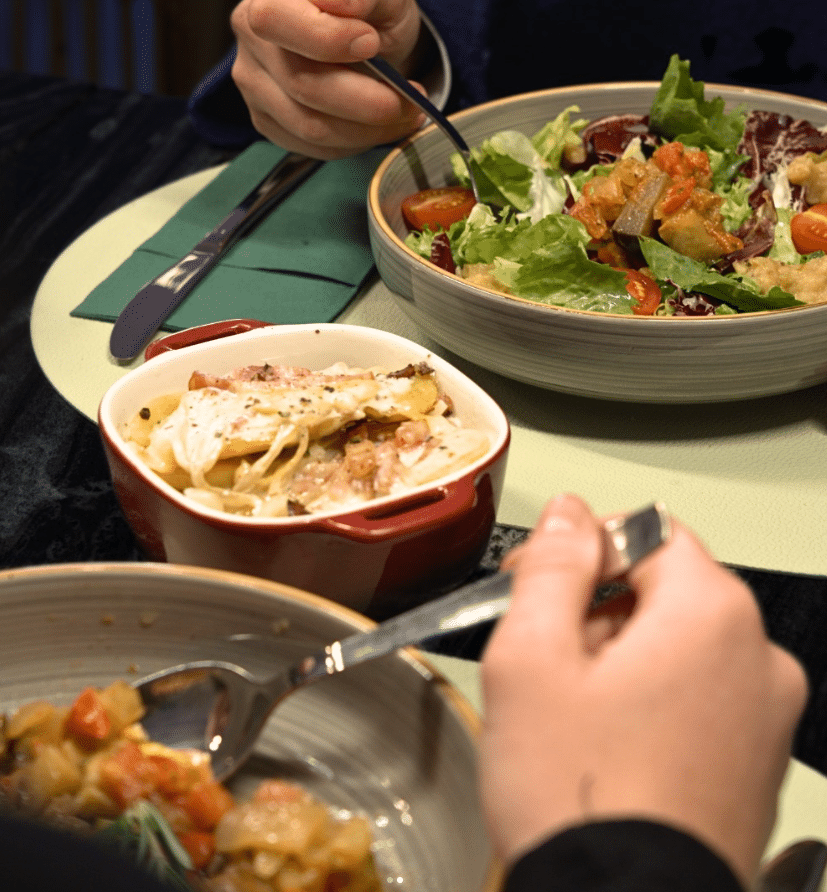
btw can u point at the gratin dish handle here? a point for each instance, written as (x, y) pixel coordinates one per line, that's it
(411, 515)
(200, 334)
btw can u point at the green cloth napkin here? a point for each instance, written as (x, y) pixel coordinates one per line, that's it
(302, 263)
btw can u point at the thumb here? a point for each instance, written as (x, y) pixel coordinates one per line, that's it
(555, 574)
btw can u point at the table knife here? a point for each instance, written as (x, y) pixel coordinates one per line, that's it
(145, 313)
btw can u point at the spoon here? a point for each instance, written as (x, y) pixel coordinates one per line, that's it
(393, 78)
(798, 868)
(221, 708)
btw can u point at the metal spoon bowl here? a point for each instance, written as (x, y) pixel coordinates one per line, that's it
(798, 868)
(221, 708)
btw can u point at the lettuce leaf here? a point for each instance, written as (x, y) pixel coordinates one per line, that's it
(520, 240)
(524, 172)
(680, 112)
(503, 168)
(783, 248)
(558, 135)
(548, 263)
(692, 275)
(563, 276)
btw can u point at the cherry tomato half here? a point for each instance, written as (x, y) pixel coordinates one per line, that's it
(645, 290)
(437, 207)
(809, 229)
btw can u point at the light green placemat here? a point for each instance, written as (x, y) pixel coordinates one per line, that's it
(303, 263)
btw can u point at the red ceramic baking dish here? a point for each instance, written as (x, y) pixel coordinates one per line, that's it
(383, 557)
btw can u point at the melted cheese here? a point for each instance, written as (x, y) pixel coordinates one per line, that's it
(264, 439)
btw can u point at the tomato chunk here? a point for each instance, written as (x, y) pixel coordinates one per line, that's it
(645, 290)
(200, 846)
(128, 775)
(809, 229)
(173, 778)
(676, 196)
(88, 721)
(436, 208)
(205, 804)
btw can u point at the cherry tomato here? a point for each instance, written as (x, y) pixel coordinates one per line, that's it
(645, 290)
(437, 207)
(88, 721)
(809, 229)
(676, 196)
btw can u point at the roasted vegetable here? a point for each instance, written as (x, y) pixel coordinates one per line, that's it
(637, 216)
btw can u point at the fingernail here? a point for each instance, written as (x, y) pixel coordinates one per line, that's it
(364, 46)
(557, 515)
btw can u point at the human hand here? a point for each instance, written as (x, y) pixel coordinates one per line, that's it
(670, 705)
(294, 71)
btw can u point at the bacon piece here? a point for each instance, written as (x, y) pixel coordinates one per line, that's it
(203, 379)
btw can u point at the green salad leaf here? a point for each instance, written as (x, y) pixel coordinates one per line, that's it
(513, 169)
(503, 168)
(563, 276)
(783, 249)
(680, 112)
(692, 275)
(552, 140)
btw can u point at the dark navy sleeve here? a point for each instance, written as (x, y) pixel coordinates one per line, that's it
(621, 856)
(218, 111)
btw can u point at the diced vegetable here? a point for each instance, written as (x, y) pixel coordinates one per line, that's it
(162, 807)
(437, 208)
(88, 721)
(637, 216)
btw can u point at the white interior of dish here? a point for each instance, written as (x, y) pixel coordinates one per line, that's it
(314, 346)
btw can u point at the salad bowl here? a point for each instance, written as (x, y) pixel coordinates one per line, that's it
(653, 359)
(392, 740)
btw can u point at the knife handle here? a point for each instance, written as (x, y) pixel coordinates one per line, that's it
(146, 312)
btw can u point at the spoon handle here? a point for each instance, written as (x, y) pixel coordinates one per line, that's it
(394, 79)
(626, 541)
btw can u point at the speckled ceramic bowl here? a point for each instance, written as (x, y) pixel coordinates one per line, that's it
(378, 559)
(648, 359)
(390, 739)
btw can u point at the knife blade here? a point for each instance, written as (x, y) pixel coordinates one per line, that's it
(146, 312)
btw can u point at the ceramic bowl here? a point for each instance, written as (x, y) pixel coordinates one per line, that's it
(379, 559)
(391, 739)
(647, 359)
